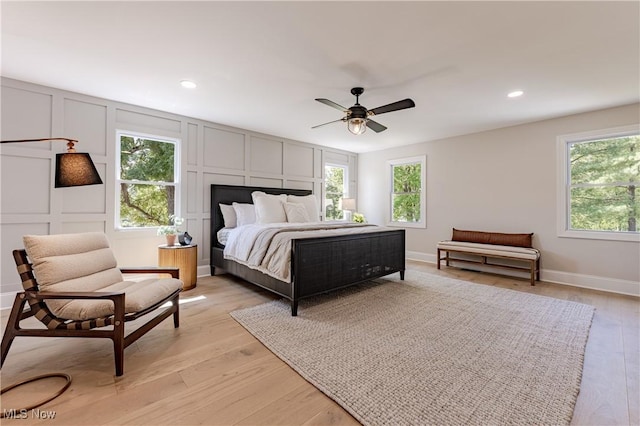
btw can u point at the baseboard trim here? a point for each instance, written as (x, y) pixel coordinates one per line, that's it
(610, 285)
(204, 271)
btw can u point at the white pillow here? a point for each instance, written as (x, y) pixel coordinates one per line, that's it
(310, 203)
(296, 212)
(256, 194)
(245, 214)
(229, 216)
(269, 210)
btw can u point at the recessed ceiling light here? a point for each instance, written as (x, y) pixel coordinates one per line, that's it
(515, 93)
(188, 84)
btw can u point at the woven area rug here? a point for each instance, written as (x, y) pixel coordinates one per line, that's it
(433, 350)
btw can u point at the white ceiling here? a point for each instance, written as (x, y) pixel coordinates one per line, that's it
(259, 65)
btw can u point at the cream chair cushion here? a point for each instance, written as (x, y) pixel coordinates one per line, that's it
(85, 262)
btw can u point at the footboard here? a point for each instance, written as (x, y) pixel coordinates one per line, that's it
(322, 264)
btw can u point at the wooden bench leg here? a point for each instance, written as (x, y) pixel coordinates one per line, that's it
(533, 272)
(438, 259)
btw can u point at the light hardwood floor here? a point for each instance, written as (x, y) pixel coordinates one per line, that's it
(212, 371)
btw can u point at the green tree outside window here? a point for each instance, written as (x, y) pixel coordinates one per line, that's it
(603, 188)
(406, 193)
(334, 191)
(147, 182)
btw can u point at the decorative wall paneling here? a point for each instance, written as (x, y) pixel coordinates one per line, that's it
(209, 153)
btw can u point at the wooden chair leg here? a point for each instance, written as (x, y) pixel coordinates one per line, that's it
(176, 314)
(13, 324)
(118, 334)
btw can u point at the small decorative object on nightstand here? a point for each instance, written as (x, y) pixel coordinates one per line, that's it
(183, 257)
(171, 231)
(185, 239)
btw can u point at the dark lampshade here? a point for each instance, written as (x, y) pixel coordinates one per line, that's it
(72, 168)
(75, 169)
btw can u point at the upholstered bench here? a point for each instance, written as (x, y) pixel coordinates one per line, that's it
(478, 246)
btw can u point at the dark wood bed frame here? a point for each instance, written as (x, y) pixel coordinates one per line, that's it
(318, 265)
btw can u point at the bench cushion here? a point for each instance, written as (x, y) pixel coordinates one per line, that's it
(525, 253)
(497, 238)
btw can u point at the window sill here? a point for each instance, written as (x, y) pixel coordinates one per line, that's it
(407, 224)
(601, 235)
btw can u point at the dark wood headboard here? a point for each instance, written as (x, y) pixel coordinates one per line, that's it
(227, 194)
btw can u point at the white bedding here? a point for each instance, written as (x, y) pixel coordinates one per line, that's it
(267, 247)
(223, 235)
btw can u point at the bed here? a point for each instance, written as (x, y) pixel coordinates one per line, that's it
(318, 264)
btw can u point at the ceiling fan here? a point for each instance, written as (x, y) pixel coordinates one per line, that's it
(357, 117)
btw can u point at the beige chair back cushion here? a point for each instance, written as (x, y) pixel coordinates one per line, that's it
(72, 262)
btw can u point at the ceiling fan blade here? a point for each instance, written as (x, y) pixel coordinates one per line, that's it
(403, 104)
(324, 124)
(332, 104)
(375, 126)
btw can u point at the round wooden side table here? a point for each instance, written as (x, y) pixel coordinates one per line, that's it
(184, 258)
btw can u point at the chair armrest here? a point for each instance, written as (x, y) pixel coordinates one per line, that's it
(43, 295)
(175, 272)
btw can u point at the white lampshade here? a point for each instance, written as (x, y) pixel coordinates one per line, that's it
(349, 204)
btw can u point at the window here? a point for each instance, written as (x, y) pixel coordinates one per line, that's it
(598, 193)
(335, 188)
(147, 180)
(407, 183)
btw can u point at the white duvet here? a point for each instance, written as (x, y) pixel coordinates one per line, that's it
(267, 247)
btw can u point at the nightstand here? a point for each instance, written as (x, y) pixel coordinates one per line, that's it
(184, 258)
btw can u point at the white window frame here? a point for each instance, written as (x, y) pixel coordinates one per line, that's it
(176, 175)
(345, 186)
(422, 159)
(564, 180)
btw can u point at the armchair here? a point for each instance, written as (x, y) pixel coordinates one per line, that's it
(73, 286)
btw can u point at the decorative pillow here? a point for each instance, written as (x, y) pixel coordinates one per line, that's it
(245, 214)
(269, 210)
(310, 203)
(229, 216)
(515, 240)
(296, 213)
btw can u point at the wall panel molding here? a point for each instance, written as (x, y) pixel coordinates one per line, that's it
(210, 153)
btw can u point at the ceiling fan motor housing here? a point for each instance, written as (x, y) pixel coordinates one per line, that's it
(357, 111)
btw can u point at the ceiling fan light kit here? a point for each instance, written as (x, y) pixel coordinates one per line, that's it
(357, 117)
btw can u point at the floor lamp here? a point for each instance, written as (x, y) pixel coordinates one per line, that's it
(72, 168)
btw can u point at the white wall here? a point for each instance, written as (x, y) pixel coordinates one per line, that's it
(505, 181)
(210, 153)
